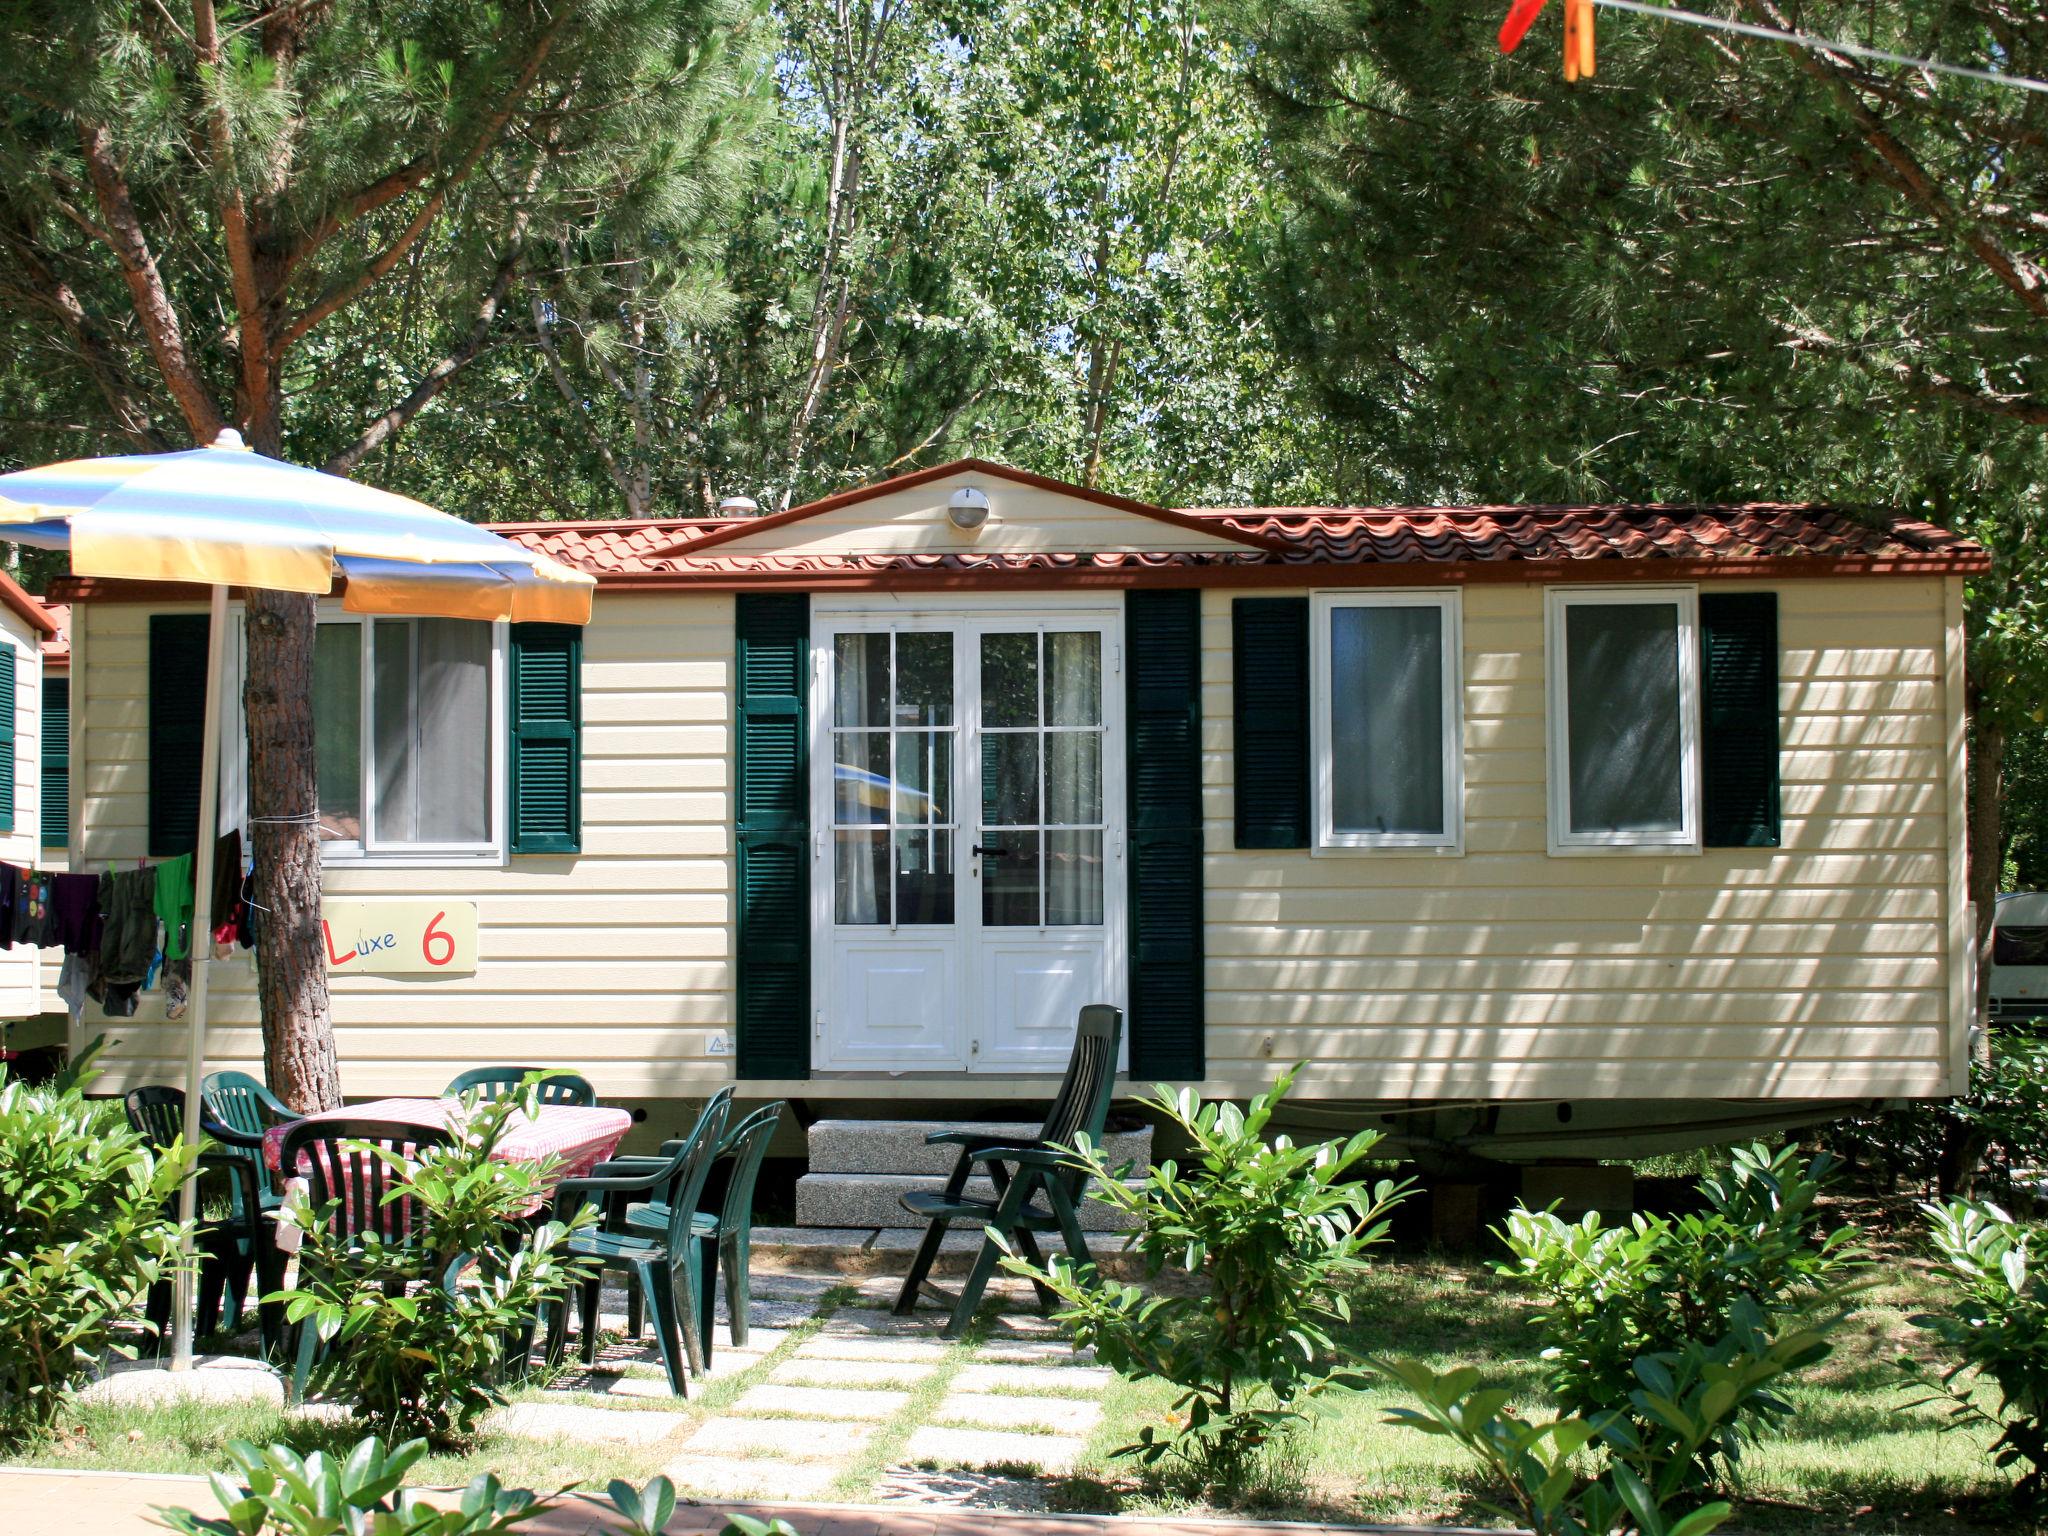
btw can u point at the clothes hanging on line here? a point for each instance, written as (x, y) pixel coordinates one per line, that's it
(128, 909)
(76, 903)
(30, 919)
(174, 899)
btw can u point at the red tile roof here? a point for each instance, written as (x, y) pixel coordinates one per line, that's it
(1348, 543)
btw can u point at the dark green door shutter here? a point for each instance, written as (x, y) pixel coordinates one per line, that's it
(547, 727)
(771, 837)
(1162, 682)
(1269, 720)
(56, 762)
(177, 685)
(1739, 713)
(9, 771)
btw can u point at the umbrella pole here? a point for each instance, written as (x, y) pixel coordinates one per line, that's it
(201, 950)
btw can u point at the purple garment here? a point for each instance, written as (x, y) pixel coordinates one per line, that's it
(76, 904)
(8, 874)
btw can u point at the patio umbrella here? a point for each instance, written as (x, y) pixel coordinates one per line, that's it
(226, 517)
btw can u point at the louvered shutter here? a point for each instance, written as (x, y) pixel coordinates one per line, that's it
(56, 762)
(1163, 681)
(177, 693)
(771, 836)
(1269, 721)
(546, 738)
(1739, 714)
(9, 770)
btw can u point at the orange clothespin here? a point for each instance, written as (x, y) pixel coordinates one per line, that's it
(1578, 33)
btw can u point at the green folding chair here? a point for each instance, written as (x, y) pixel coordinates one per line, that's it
(1035, 1188)
(561, 1086)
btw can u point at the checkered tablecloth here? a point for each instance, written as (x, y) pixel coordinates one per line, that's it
(582, 1136)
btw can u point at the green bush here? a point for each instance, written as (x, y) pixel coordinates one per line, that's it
(1997, 1329)
(83, 1236)
(423, 1331)
(1675, 1410)
(280, 1491)
(1658, 1287)
(1270, 1231)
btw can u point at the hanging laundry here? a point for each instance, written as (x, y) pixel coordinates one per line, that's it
(7, 874)
(174, 895)
(34, 920)
(75, 900)
(227, 878)
(128, 908)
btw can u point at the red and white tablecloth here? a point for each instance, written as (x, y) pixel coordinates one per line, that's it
(581, 1135)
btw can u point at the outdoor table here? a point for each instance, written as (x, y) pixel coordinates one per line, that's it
(581, 1135)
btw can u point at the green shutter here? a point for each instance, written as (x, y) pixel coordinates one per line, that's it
(1269, 721)
(1739, 716)
(546, 738)
(1163, 697)
(56, 762)
(9, 770)
(771, 836)
(177, 691)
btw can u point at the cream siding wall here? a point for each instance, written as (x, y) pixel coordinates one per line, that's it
(1826, 968)
(1022, 519)
(1821, 968)
(21, 969)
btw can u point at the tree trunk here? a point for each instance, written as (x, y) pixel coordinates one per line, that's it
(291, 959)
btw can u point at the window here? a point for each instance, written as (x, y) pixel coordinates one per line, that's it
(407, 746)
(1386, 734)
(1624, 708)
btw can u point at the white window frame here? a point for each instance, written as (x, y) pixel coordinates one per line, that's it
(1450, 605)
(369, 853)
(1563, 841)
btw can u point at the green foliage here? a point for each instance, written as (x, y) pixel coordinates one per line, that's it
(1268, 1231)
(423, 1330)
(1996, 1329)
(1671, 1414)
(83, 1235)
(1615, 1296)
(277, 1490)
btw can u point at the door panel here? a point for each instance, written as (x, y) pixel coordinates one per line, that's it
(895, 1005)
(1032, 991)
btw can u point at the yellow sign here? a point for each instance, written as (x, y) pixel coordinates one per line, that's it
(400, 938)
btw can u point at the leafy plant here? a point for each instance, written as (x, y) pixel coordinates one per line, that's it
(1270, 1230)
(1678, 1408)
(318, 1495)
(1998, 1329)
(1655, 1288)
(83, 1235)
(422, 1329)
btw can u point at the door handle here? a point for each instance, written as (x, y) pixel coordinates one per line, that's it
(990, 853)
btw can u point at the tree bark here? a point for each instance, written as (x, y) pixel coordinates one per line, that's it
(291, 959)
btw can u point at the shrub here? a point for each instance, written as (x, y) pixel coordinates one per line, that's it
(1998, 1329)
(1271, 1230)
(423, 1330)
(1678, 1407)
(281, 1491)
(83, 1236)
(1657, 1287)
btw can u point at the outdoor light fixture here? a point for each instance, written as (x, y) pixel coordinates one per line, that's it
(738, 506)
(968, 509)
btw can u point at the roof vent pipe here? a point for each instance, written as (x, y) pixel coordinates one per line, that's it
(737, 506)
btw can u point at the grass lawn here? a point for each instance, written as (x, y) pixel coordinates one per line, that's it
(1852, 1459)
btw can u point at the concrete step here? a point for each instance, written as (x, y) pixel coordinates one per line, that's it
(859, 1252)
(869, 1200)
(898, 1146)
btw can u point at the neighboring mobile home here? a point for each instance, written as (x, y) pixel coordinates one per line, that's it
(1536, 816)
(25, 626)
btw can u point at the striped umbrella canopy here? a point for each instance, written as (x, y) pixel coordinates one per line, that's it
(225, 516)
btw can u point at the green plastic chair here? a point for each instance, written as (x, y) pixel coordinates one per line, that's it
(236, 1110)
(235, 1248)
(561, 1086)
(728, 1231)
(668, 1268)
(1022, 1173)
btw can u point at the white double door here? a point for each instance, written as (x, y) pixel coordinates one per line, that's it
(967, 790)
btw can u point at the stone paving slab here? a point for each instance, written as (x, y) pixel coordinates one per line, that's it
(1053, 1415)
(854, 1403)
(791, 1439)
(1033, 1351)
(871, 1320)
(212, 1379)
(598, 1426)
(1033, 1378)
(740, 1477)
(824, 1346)
(800, 1370)
(1052, 1454)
